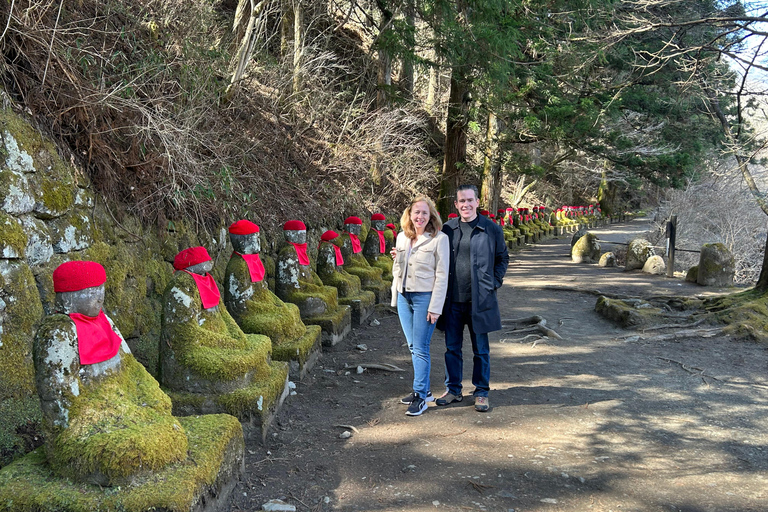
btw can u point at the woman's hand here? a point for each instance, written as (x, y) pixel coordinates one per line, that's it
(432, 317)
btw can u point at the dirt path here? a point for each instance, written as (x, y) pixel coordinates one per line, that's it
(587, 423)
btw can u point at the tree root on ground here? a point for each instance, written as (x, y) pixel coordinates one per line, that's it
(539, 325)
(678, 335)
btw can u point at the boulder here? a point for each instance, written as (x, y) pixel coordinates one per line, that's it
(638, 252)
(655, 265)
(608, 259)
(586, 249)
(716, 266)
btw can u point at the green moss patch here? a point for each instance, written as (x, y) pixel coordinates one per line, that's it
(20, 430)
(119, 425)
(256, 400)
(300, 348)
(215, 450)
(13, 239)
(331, 320)
(626, 315)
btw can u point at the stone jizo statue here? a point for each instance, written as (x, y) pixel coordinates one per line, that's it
(355, 262)
(377, 246)
(259, 311)
(105, 418)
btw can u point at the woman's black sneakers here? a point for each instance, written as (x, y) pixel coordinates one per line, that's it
(408, 400)
(418, 406)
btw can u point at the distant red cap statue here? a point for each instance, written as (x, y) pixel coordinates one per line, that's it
(378, 216)
(353, 220)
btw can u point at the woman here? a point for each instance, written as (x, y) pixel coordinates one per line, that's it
(419, 285)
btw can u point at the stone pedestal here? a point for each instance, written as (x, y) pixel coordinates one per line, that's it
(201, 482)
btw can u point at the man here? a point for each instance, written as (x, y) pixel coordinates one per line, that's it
(478, 262)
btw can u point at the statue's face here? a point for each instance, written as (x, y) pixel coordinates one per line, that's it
(296, 236)
(87, 302)
(201, 268)
(379, 225)
(246, 244)
(354, 229)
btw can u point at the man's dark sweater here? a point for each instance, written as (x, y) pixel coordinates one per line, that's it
(462, 290)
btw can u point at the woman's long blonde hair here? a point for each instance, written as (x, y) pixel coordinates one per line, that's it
(433, 226)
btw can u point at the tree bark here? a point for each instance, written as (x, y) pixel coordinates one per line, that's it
(407, 74)
(491, 189)
(455, 140)
(384, 79)
(298, 43)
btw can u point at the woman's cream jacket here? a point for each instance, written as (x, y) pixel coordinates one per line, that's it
(427, 268)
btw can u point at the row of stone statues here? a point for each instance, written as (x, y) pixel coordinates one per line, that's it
(108, 422)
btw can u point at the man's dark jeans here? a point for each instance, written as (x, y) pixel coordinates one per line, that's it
(459, 315)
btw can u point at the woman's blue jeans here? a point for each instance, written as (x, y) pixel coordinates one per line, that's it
(412, 308)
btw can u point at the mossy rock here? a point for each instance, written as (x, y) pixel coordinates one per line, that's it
(20, 316)
(586, 249)
(716, 266)
(608, 259)
(72, 232)
(626, 315)
(638, 252)
(18, 197)
(692, 275)
(299, 350)
(13, 239)
(56, 192)
(745, 314)
(211, 466)
(655, 265)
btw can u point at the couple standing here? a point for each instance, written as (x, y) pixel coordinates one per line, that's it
(446, 276)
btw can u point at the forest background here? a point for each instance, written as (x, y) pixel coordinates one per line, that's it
(279, 109)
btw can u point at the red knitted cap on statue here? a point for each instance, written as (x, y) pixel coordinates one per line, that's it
(353, 220)
(191, 256)
(243, 227)
(510, 209)
(500, 210)
(328, 236)
(391, 226)
(78, 275)
(484, 212)
(453, 215)
(378, 216)
(294, 225)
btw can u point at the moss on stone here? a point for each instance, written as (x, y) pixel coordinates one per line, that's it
(21, 319)
(119, 425)
(20, 429)
(298, 349)
(330, 320)
(29, 485)
(13, 239)
(692, 275)
(254, 400)
(262, 312)
(626, 315)
(56, 194)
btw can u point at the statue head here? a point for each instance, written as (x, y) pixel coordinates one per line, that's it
(353, 225)
(79, 287)
(378, 222)
(195, 260)
(244, 236)
(295, 232)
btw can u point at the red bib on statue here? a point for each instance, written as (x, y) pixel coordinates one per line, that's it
(382, 241)
(255, 266)
(301, 252)
(209, 291)
(356, 248)
(96, 341)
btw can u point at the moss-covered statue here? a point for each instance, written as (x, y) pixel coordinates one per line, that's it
(296, 282)
(111, 442)
(259, 311)
(356, 264)
(330, 268)
(512, 235)
(206, 361)
(391, 227)
(378, 243)
(105, 418)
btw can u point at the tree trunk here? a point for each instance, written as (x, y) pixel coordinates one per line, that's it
(384, 80)
(762, 281)
(298, 43)
(432, 88)
(286, 28)
(455, 141)
(407, 74)
(491, 189)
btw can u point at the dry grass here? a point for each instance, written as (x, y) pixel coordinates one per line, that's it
(135, 91)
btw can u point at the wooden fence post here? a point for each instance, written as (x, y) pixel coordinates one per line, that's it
(671, 231)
